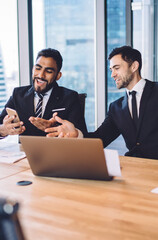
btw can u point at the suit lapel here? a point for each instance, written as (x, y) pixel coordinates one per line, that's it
(125, 109)
(52, 101)
(144, 99)
(28, 104)
(126, 113)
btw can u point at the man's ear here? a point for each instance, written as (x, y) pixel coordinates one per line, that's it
(59, 76)
(135, 66)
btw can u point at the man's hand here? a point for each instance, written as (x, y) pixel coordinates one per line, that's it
(41, 123)
(66, 129)
(10, 128)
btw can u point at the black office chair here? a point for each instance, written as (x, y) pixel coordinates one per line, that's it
(82, 99)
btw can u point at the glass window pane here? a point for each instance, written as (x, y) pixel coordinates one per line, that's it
(116, 37)
(9, 69)
(143, 35)
(68, 25)
(137, 25)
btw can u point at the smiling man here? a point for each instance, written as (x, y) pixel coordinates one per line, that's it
(134, 115)
(46, 71)
(36, 103)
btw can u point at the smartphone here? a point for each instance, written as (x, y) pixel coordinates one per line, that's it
(12, 112)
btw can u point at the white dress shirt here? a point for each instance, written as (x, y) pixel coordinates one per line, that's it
(139, 87)
(45, 100)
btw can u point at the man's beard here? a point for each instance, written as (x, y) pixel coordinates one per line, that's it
(46, 89)
(126, 81)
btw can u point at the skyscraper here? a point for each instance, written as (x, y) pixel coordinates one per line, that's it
(3, 94)
(69, 27)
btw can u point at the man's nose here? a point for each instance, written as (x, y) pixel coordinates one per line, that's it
(41, 74)
(113, 74)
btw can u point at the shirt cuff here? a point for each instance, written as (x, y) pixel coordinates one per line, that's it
(80, 134)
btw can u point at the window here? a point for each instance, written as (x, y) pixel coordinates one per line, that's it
(143, 34)
(116, 37)
(68, 26)
(9, 77)
(9, 68)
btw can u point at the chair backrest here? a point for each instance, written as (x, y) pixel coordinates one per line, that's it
(82, 99)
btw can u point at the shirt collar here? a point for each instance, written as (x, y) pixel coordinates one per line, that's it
(138, 87)
(48, 93)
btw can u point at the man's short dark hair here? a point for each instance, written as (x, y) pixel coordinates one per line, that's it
(53, 53)
(128, 54)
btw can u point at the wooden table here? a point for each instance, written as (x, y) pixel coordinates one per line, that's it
(55, 208)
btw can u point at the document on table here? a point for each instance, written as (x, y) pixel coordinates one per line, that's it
(10, 152)
(155, 190)
(112, 162)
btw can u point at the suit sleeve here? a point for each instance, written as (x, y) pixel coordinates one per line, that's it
(107, 132)
(75, 115)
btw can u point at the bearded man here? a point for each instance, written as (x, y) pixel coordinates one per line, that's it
(36, 103)
(134, 116)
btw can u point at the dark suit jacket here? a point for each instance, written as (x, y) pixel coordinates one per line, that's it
(142, 142)
(22, 100)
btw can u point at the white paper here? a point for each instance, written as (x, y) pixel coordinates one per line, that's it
(10, 152)
(112, 162)
(155, 190)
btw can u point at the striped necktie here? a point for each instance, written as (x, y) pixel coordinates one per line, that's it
(38, 112)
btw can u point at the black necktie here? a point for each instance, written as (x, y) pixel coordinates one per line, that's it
(134, 107)
(38, 112)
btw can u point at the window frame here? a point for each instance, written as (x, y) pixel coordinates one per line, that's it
(25, 58)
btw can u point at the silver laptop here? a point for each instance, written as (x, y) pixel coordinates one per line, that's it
(67, 158)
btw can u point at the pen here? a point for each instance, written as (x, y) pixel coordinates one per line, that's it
(58, 109)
